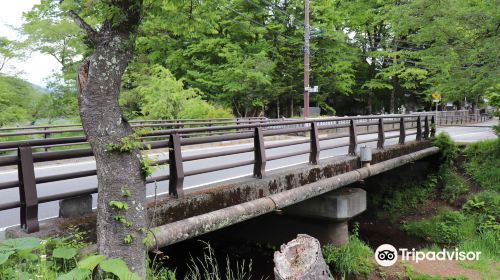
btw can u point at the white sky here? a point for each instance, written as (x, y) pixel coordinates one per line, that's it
(37, 66)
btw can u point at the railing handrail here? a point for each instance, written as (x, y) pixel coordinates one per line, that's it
(171, 121)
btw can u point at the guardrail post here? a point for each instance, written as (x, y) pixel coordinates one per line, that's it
(402, 132)
(45, 136)
(259, 167)
(426, 127)
(353, 141)
(27, 190)
(419, 129)
(314, 155)
(381, 134)
(433, 127)
(176, 180)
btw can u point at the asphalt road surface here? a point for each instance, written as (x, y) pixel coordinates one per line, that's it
(47, 210)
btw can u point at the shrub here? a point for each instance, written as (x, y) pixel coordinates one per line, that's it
(351, 258)
(484, 208)
(447, 227)
(448, 148)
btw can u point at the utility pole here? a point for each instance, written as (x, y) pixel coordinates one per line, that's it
(306, 58)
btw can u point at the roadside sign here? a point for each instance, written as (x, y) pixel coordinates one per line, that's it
(436, 96)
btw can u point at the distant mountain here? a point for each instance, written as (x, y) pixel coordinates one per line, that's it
(39, 88)
(18, 100)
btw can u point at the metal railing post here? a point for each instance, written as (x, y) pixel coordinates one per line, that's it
(402, 132)
(353, 141)
(419, 129)
(45, 136)
(426, 127)
(176, 180)
(259, 167)
(381, 134)
(433, 127)
(314, 155)
(27, 190)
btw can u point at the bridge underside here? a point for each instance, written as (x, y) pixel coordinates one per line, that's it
(182, 216)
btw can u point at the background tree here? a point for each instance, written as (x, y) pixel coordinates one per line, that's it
(9, 49)
(49, 30)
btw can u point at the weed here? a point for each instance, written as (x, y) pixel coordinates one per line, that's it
(484, 209)
(207, 268)
(453, 184)
(352, 258)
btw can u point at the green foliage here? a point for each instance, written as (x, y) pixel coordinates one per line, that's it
(126, 144)
(352, 258)
(147, 166)
(9, 49)
(453, 184)
(488, 243)
(126, 191)
(64, 253)
(484, 208)
(118, 268)
(122, 219)
(449, 150)
(128, 239)
(155, 93)
(56, 258)
(447, 227)
(405, 195)
(119, 204)
(17, 100)
(483, 163)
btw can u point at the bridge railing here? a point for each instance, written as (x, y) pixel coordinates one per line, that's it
(315, 133)
(60, 131)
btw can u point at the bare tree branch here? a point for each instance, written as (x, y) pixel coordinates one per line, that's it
(91, 32)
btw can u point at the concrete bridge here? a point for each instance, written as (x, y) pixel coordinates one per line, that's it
(304, 190)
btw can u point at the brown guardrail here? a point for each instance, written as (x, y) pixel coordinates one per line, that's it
(175, 139)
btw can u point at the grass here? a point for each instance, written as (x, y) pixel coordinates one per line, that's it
(453, 184)
(447, 227)
(353, 258)
(476, 226)
(207, 267)
(483, 163)
(403, 196)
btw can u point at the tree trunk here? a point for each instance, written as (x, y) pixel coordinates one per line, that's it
(100, 79)
(121, 207)
(301, 259)
(369, 103)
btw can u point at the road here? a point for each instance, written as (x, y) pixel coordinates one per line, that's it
(46, 210)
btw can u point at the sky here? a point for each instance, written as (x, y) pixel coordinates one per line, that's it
(36, 66)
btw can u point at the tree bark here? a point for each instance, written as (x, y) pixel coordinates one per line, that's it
(119, 174)
(301, 259)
